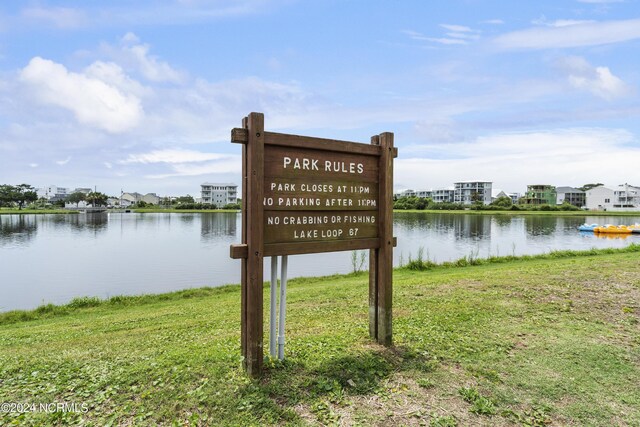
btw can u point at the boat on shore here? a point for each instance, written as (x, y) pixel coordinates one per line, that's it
(587, 227)
(616, 229)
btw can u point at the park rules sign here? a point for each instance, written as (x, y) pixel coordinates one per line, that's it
(305, 195)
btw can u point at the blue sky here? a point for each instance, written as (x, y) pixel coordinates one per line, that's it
(143, 97)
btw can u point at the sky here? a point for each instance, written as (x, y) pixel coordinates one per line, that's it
(142, 96)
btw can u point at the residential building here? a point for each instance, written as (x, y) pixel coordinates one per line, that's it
(442, 195)
(570, 195)
(53, 193)
(600, 198)
(626, 197)
(135, 197)
(538, 194)
(470, 192)
(406, 193)
(151, 198)
(424, 194)
(219, 194)
(515, 197)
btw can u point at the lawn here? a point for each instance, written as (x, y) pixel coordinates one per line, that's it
(527, 342)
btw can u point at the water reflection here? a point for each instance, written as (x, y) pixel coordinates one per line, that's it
(541, 225)
(213, 225)
(17, 230)
(96, 222)
(460, 226)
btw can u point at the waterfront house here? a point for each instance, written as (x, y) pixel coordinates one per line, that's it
(571, 195)
(539, 194)
(470, 192)
(219, 194)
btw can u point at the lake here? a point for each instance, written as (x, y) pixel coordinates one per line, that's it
(54, 258)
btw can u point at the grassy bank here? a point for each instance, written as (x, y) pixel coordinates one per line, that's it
(511, 213)
(12, 211)
(169, 210)
(525, 342)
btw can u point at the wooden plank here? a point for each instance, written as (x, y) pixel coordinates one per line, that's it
(313, 226)
(239, 251)
(311, 194)
(349, 147)
(277, 249)
(385, 253)
(239, 135)
(305, 163)
(255, 243)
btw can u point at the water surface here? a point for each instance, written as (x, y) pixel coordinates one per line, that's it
(54, 258)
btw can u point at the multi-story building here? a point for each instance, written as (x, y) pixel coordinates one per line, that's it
(128, 199)
(626, 197)
(538, 194)
(442, 195)
(470, 192)
(570, 195)
(219, 194)
(53, 193)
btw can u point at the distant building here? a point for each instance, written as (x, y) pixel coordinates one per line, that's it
(626, 197)
(600, 198)
(442, 195)
(129, 199)
(570, 195)
(539, 195)
(219, 194)
(53, 193)
(470, 192)
(84, 190)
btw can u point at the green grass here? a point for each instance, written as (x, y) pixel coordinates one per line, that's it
(533, 342)
(171, 210)
(511, 213)
(28, 211)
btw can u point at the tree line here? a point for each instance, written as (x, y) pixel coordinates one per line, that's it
(500, 204)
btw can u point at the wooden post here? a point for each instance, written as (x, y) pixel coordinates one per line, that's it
(253, 309)
(381, 266)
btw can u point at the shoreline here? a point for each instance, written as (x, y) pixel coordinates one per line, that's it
(396, 211)
(419, 264)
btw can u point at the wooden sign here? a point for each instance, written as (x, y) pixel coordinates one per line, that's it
(308, 195)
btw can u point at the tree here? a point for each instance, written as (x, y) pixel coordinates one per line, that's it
(6, 194)
(76, 198)
(24, 193)
(588, 187)
(185, 199)
(503, 202)
(96, 198)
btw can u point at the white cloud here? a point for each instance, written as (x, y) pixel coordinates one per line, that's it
(93, 101)
(172, 156)
(59, 17)
(224, 164)
(456, 28)
(33, 165)
(493, 21)
(576, 35)
(560, 22)
(513, 160)
(63, 162)
(597, 80)
(148, 65)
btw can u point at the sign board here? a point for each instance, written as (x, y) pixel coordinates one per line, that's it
(308, 195)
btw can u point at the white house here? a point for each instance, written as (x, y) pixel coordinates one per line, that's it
(219, 194)
(468, 192)
(600, 198)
